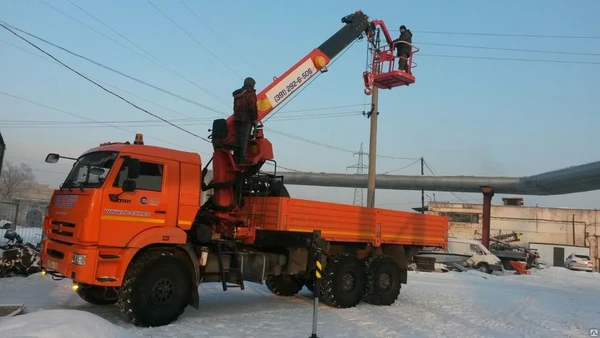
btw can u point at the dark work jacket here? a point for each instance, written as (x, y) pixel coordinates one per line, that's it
(244, 105)
(403, 48)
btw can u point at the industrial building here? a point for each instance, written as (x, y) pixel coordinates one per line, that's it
(574, 230)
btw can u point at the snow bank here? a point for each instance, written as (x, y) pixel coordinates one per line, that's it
(60, 324)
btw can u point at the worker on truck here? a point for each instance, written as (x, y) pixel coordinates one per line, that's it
(245, 114)
(403, 47)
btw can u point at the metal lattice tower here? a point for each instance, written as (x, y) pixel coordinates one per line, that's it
(358, 192)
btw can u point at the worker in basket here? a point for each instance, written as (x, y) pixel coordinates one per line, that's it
(403, 48)
(245, 117)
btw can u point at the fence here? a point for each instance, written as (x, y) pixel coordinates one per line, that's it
(25, 217)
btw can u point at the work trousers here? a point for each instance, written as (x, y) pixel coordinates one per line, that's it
(403, 62)
(242, 135)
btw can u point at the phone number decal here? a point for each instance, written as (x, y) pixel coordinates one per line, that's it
(291, 82)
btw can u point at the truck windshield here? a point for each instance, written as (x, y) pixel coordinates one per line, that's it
(90, 170)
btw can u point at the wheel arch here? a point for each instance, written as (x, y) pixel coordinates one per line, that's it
(187, 254)
(167, 239)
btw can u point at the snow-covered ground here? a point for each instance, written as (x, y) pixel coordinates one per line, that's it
(552, 302)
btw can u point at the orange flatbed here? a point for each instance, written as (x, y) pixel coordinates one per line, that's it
(347, 223)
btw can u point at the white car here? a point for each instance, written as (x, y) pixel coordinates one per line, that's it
(579, 262)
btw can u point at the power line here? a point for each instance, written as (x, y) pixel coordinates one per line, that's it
(95, 30)
(401, 168)
(103, 88)
(512, 35)
(429, 168)
(177, 112)
(508, 49)
(114, 70)
(121, 73)
(325, 145)
(35, 160)
(162, 64)
(95, 79)
(87, 118)
(217, 35)
(193, 38)
(272, 130)
(146, 83)
(311, 80)
(16, 124)
(325, 108)
(509, 59)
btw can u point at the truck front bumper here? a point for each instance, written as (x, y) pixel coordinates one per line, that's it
(69, 261)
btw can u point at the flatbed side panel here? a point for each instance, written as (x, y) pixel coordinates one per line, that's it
(337, 222)
(399, 227)
(263, 212)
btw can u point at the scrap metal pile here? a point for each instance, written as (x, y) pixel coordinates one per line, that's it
(16, 258)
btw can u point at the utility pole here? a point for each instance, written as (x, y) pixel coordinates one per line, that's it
(422, 190)
(373, 136)
(358, 192)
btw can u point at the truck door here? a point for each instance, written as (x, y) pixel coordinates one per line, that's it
(152, 204)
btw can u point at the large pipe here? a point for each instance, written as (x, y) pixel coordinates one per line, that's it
(570, 180)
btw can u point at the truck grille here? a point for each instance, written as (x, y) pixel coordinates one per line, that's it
(62, 228)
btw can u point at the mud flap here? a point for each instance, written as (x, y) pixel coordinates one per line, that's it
(195, 298)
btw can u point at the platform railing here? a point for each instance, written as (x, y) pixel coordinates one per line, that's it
(387, 56)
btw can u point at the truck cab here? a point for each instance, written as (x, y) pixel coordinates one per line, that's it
(117, 198)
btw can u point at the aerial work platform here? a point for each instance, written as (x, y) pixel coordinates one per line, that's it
(384, 73)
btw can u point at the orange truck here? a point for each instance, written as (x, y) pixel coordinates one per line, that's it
(129, 224)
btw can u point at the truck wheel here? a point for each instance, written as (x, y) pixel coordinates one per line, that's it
(343, 282)
(156, 288)
(284, 285)
(98, 295)
(383, 281)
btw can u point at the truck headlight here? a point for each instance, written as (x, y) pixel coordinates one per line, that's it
(78, 259)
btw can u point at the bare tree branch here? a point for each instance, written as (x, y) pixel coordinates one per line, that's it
(15, 179)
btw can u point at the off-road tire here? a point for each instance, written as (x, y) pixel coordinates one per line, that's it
(98, 295)
(156, 288)
(284, 285)
(341, 270)
(383, 280)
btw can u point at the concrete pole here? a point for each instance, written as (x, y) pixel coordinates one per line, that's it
(372, 148)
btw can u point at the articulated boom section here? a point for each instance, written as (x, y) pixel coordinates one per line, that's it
(232, 181)
(229, 178)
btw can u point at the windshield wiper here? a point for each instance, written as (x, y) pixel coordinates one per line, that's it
(70, 184)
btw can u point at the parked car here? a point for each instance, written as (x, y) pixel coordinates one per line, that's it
(481, 258)
(579, 262)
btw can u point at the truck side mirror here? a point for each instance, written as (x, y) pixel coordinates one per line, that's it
(133, 168)
(129, 186)
(52, 158)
